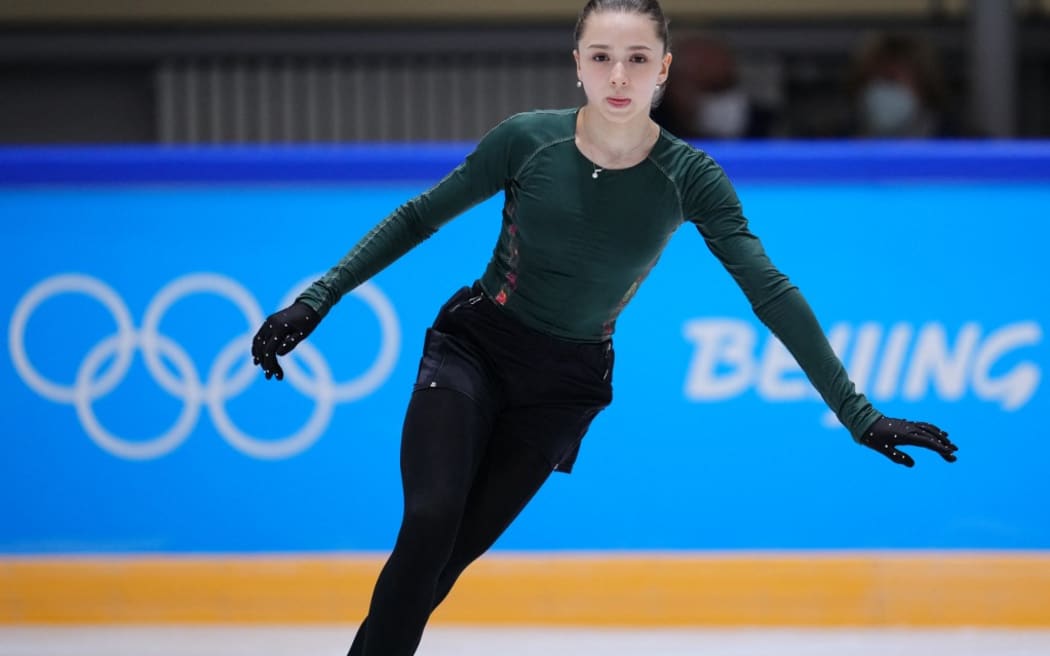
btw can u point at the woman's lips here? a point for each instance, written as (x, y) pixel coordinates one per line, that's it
(618, 102)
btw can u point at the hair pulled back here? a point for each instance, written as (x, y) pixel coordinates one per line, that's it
(650, 8)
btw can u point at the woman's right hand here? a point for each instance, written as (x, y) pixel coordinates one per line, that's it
(280, 333)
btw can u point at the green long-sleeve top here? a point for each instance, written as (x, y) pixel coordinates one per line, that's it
(574, 248)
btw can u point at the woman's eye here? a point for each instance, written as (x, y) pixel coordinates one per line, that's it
(638, 59)
(600, 58)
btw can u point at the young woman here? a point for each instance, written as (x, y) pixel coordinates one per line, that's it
(516, 366)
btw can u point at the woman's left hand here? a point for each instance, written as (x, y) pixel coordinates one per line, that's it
(886, 434)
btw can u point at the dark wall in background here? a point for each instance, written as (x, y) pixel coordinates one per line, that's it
(324, 83)
(50, 103)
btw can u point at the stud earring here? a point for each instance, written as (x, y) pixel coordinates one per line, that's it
(579, 84)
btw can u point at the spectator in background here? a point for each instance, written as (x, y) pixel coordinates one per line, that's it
(704, 98)
(898, 90)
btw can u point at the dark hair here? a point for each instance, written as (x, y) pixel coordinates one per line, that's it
(650, 8)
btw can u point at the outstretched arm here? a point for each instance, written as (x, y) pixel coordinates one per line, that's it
(782, 308)
(480, 176)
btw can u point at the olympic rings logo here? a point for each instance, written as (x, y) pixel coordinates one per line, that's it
(224, 379)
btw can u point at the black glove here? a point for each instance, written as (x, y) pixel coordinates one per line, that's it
(886, 434)
(280, 333)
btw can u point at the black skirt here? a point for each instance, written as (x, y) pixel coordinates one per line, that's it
(540, 389)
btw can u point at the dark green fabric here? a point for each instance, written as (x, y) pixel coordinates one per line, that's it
(573, 248)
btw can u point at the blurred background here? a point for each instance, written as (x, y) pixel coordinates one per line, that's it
(231, 71)
(171, 172)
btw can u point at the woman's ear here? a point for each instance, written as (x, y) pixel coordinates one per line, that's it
(665, 70)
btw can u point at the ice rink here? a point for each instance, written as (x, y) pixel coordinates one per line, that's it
(471, 641)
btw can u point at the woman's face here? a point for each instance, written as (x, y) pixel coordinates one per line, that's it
(620, 60)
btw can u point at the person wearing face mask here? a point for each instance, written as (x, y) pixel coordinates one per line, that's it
(898, 90)
(705, 98)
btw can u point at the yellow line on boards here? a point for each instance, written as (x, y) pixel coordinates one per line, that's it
(631, 589)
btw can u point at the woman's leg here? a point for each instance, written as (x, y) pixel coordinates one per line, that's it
(443, 441)
(510, 474)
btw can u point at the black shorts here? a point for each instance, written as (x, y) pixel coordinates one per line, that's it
(540, 389)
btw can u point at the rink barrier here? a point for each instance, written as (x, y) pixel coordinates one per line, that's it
(825, 589)
(868, 162)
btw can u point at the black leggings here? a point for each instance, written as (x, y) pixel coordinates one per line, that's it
(464, 482)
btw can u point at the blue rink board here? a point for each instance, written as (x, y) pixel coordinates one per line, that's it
(931, 280)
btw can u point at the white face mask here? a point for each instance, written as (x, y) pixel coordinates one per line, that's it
(889, 108)
(722, 115)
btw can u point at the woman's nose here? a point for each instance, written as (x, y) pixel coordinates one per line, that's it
(619, 75)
